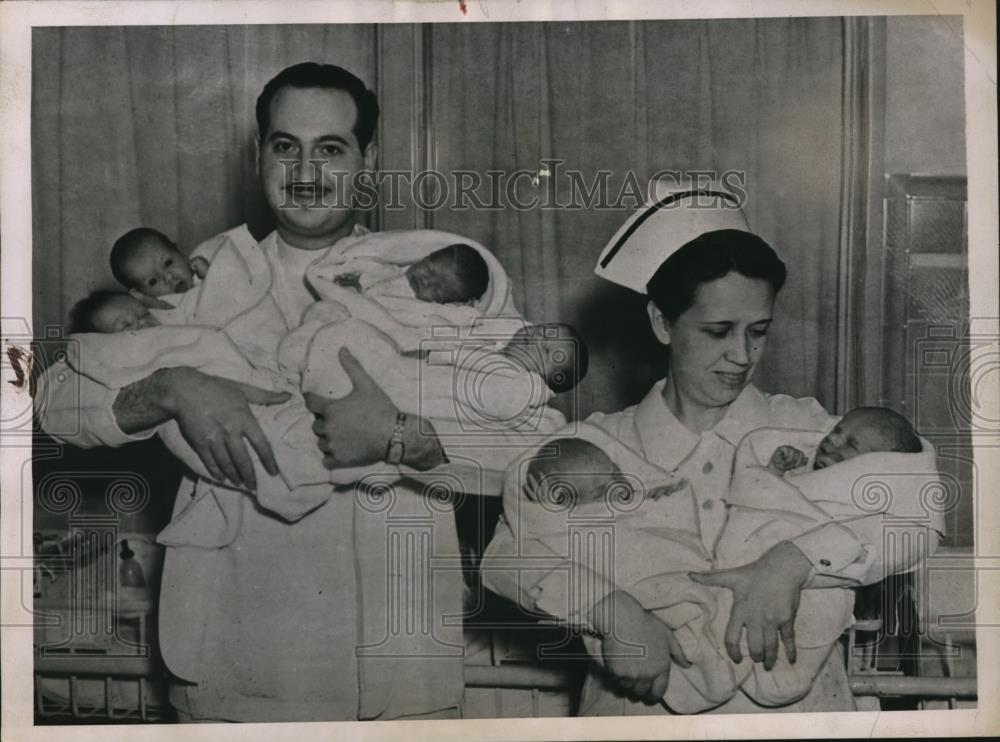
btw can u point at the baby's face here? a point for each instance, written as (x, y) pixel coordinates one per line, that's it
(852, 437)
(583, 473)
(548, 349)
(433, 279)
(158, 268)
(123, 313)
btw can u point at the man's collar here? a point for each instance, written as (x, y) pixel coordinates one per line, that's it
(357, 231)
(667, 442)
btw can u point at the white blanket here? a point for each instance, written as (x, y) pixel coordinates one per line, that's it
(459, 380)
(384, 253)
(766, 508)
(118, 360)
(230, 326)
(648, 547)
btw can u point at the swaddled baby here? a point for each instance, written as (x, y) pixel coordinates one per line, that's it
(482, 383)
(454, 274)
(862, 430)
(656, 542)
(150, 266)
(795, 492)
(593, 501)
(119, 341)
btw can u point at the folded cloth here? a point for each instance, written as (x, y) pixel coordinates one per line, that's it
(765, 508)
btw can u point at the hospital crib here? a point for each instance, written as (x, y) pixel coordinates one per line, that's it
(100, 663)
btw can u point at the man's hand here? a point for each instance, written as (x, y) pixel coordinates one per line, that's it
(765, 601)
(355, 430)
(213, 415)
(638, 648)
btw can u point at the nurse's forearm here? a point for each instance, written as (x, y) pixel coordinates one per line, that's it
(143, 404)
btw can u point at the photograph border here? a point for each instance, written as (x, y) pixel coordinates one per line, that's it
(16, 21)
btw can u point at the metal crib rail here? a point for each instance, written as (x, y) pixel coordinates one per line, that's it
(545, 678)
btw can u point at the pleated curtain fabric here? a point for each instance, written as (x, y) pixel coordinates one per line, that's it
(154, 126)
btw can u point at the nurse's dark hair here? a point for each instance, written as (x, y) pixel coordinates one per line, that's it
(325, 76)
(706, 258)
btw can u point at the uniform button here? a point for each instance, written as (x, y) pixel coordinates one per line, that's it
(708, 505)
(707, 468)
(824, 562)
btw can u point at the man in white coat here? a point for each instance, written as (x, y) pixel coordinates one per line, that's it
(339, 615)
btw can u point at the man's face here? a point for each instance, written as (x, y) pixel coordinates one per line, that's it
(307, 161)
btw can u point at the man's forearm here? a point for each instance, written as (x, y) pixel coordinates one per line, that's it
(143, 405)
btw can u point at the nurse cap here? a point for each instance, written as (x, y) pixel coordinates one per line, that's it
(680, 213)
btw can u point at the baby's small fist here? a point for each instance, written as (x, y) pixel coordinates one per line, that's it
(786, 458)
(200, 266)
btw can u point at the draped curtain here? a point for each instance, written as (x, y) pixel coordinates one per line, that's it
(154, 126)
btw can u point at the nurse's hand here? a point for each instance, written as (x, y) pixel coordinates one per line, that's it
(638, 648)
(765, 601)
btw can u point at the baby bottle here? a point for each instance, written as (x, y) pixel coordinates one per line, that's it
(130, 572)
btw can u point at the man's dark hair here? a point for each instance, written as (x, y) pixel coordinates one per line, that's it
(325, 76)
(471, 273)
(81, 316)
(125, 248)
(709, 257)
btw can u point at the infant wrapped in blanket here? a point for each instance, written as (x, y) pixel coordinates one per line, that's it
(594, 501)
(226, 325)
(230, 326)
(425, 321)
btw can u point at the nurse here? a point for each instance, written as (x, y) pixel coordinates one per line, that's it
(711, 285)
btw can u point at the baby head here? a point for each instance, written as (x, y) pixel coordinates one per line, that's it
(109, 311)
(579, 472)
(147, 262)
(554, 351)
(866, 430)
(456, 274)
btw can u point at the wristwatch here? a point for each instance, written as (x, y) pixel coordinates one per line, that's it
(396, 448)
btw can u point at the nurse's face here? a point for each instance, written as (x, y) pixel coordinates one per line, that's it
(716, 343)
(307, 161)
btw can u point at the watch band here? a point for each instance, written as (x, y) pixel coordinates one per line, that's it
(395, 449)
